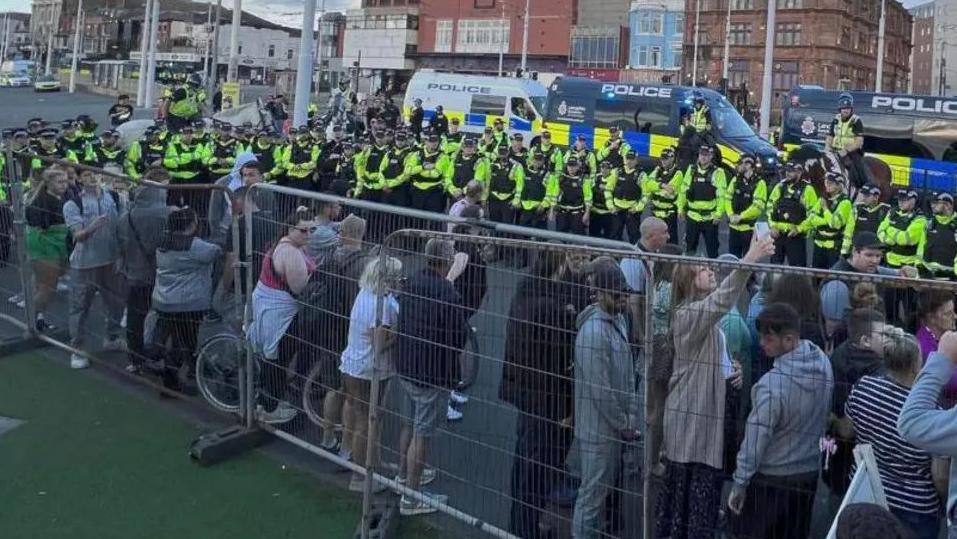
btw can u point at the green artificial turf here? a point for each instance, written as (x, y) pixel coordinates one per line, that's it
(92, 461)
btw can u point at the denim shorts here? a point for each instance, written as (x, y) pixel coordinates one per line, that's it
(422, 406)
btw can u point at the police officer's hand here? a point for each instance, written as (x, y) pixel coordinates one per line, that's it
(793, 231)
(516, 204)
(734, 219)
(585, 218)
(909, 272)
(668, 189)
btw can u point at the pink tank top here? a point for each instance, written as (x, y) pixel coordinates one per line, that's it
(269, 277)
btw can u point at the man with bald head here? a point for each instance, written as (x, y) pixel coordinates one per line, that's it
(654, 235)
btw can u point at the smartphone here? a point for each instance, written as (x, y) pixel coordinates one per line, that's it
(762, 229)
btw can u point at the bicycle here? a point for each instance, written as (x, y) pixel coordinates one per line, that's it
(217, 370)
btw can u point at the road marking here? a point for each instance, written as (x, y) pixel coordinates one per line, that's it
(8, 423)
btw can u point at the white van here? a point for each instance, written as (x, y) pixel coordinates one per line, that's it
(478, 100)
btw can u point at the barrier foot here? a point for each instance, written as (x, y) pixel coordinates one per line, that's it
(18, 345)
(384, 515)
(214, 447)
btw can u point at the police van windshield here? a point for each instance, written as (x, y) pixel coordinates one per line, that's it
(538, 101)
(728, 122)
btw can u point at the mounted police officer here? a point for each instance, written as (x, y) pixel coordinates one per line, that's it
(186, 103)
(846, 138)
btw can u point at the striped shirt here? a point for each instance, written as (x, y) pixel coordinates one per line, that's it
(873, 406)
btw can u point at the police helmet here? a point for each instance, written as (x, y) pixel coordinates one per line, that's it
(697, 96)
(845, 101)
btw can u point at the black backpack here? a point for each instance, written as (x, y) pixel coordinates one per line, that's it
(327, 301)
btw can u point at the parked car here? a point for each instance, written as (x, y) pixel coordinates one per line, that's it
(46, 83)
(14, 80)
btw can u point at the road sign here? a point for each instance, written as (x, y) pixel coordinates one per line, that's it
(230, 95)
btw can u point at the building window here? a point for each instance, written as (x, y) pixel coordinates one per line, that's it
(789, 34)
(741, 34)
(742, 4)
(654, 56)
(594, 51)
(240, 49)
(443, 35)
(676, 55)
(649, 56)
(272, 51)
(288, 54)
(679, 24)
(738, 72)
(482, 36)
(789, 4)
(786, 76)
(488, 104)
(483, 4)
(649, 22)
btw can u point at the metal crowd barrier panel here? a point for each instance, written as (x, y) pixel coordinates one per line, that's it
(120, 301)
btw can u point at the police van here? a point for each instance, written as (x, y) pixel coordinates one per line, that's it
(477, 101)
(916, 136)
(648, 115)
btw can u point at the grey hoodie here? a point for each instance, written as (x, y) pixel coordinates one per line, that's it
(605, 398)
(139, 232)
(791, 404)
(184, 279)
(220, 214)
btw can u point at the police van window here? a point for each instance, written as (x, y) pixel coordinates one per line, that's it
(522, 109)
(654, 118)
(615, 112)
(488, 104)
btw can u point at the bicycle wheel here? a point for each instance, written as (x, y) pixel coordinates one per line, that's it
(217, 371)
(312, 394)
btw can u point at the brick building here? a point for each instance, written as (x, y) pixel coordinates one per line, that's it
(922, 58)
(468, 35)
(821, 42)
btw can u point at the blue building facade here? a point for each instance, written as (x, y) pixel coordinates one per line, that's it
(657, 30)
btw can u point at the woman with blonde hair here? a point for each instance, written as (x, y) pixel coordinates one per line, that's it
(368, 351)
(47, 238)
(694, 409)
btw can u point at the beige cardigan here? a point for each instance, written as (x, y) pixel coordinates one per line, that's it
(694, 408)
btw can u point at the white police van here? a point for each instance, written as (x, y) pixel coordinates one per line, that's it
(477, 100)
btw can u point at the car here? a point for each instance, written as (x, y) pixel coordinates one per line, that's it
(14, 80)
(46, 83)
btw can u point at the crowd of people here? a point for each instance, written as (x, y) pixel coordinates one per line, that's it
(758, 385)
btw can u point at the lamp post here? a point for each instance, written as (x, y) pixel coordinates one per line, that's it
(766, 89)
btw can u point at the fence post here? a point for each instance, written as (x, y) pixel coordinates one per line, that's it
(247, 367)
(14, 172)
(648, 459)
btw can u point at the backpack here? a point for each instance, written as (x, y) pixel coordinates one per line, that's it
(327, 300)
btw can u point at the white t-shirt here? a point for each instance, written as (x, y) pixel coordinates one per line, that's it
(358, 355)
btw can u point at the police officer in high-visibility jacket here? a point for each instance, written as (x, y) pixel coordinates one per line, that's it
(487, 144)
(603, 222)
(700, 117)
(223, 149)
(745, 202)
(660, 190)
(789, 215)
(346, 169)
(553, 154)
(467, 165)
(627, 196)
(846, 138)
(517, 152)
(452, 141)
(869, 213)
(500, 133)
(427, 169)
(534, 199)
(504, 187)
(145, 153)
(107, 150)
(701, 200)
(368, 179)
(395, 171)
(299, 159)
(185, 157)
(586, 157)
(268, 149)
(186, 103)
(937, 250)
(829, 220)
(572, 198)
(902, 230)
(614, 149)
(70, 140)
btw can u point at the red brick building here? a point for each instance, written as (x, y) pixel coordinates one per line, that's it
(822, 42)
(468, 35)
(922, 60)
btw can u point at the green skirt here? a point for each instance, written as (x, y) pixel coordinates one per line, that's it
(48, 244)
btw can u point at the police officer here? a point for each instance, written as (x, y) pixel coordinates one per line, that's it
(439, 123)
(416, 117)
(34, 126)
(615, 148)
(427, 168)
(602, 222)
(467, 165)
(747, 197)
(300, 158)
(585, 156)
(846, 138)
(452, 140)
(937, 250)
(346, 169)
(830, 219)
(552, 153)
(789, 211)
(145, 153)
(19, 145)
(627, 196)
(394, 170)
(107, 151)
(659, 189)
(186, 103)
(573, 198)
(487, 144)
(534, 199)
(185, 159)
(902, 230)
(368, 178)
(122, 111)
(49, 147)
(268, 148)
(86, 128)
(869, 212)
(500, 133)
(223, 149)
(700, 117)
(504, 187)
(329, 156)
(702, 201)
(517, 152)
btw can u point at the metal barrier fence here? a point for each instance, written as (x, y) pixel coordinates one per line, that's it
(369, 358)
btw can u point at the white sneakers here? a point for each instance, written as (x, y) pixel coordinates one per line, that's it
(283, 413)
(409, 506)
(78, 362)
(452, 414)
(458, 398)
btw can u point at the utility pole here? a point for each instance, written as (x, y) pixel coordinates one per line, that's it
(694, 65)
(501, 42)
(879, 84)
(144, 52)
(151, 64)
(727, 46)
(766, 89)
(232, 71)
(6, 37)
(206, 31)
(54, 26)
(76, 45)
(528, 11)
(214, 67)
(322, 14)
(304, 73)
(942, 79)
